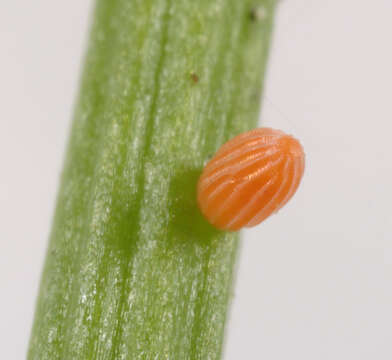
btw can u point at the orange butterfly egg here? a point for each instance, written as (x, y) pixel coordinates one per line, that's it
(250, 177)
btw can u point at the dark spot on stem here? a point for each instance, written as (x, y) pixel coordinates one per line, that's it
(194, 77)
(257, 13)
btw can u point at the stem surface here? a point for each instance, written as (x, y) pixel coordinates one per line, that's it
(133, 271)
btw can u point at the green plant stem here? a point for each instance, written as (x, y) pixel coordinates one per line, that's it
(133, 271)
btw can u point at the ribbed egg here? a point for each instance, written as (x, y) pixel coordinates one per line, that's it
(250, 177)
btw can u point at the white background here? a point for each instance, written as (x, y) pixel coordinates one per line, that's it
(315, 281)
